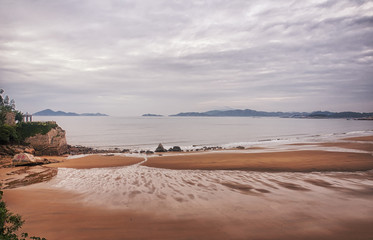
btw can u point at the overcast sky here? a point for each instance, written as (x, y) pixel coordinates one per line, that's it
(124, 57)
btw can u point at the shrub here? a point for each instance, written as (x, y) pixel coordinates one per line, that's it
(29, 129)
(17, 134)
(8, 134)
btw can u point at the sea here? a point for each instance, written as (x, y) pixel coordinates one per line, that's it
(145, 133)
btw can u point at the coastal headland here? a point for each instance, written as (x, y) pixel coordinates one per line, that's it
(303, 191)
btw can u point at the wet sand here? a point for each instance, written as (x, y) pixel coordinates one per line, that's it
(348, 145)
(290, 210)
(97, 161)
(362, 138)
(364, 143)
(57, 214)
(291, 161)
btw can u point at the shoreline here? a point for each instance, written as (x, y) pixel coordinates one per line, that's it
(249, 159)
(295, 157)
(280, 194)
(194, 147)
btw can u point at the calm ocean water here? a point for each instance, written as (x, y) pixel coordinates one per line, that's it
(148, 132)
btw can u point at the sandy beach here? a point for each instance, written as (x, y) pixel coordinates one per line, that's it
(58, 215)
(293, 161)
(97, 161)
(297, 194)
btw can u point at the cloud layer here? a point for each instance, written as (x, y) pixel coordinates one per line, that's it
(132, 57)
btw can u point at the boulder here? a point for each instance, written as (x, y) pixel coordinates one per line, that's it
(25, 159)
(52, 143)
(175, 149)
(160, 148)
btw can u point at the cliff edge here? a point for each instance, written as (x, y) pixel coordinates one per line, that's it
(51, 143)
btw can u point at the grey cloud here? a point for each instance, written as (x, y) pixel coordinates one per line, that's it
(195, 53)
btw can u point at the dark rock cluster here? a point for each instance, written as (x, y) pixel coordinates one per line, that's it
(160, 148)
(175, 149)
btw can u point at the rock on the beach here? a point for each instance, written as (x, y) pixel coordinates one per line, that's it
(52, 143)
(160, 148)
(175, 149)
(11, 150)
(24, 159)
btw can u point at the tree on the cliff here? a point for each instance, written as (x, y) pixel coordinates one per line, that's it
(6, 103)
(10, 223)
(8, 134)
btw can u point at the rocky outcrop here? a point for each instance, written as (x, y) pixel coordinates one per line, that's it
(11, 150)
(160, 148)
(26, 175)
(52, 143)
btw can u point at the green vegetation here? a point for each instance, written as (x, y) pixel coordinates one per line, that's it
(10, 223)
(8, 134)
(18, 133)
(8, 105)
(29, 129)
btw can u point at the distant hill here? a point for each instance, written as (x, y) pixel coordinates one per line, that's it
(49, 112)
(240, 113)
(254, 113)
(151, 115)
(326, 114)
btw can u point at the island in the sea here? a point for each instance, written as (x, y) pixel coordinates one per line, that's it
(254, 113)
(151, 115)
(49, 112)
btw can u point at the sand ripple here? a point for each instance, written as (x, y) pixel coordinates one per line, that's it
(226, 193)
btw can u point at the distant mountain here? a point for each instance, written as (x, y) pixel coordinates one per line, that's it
(326, 114)
(151, 115)
(94, 114)
(239, 113)
(254, 113)
(49, 112)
